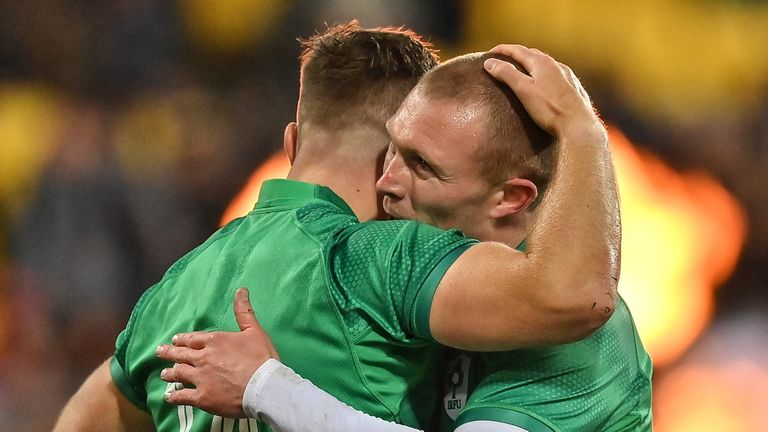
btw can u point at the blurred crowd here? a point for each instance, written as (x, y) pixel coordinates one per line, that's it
(127, 126)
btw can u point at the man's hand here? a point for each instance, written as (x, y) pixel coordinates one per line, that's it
(549, 91)
(581, 205)
(218, 364)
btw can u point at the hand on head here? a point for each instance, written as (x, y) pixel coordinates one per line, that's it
(218, 364)
(548, 89)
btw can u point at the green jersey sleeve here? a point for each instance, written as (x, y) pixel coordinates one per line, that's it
(119, 367)
(387, 273)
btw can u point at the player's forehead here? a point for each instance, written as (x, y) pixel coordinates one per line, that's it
(410, 111)
(444, 132)
(429, 118)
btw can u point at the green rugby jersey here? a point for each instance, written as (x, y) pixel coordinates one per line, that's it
(346, 304)
(601, 383)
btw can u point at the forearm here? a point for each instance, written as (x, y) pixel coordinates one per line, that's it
(575, 240)
(279, 396)
(573, 252)
(563, 287)
(99, 405)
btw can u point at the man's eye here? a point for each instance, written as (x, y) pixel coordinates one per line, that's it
(422, 165)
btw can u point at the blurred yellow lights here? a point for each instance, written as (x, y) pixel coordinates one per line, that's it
(668, 58)
(682, 233)
(230, 26)
(29, 120)
(148, 138)
(731, 396)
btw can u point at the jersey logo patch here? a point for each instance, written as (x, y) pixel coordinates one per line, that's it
(456, 383)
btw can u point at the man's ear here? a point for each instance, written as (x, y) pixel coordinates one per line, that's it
(290, 140)
(516, 195)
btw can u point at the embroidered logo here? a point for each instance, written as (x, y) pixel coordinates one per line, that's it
(456, 382)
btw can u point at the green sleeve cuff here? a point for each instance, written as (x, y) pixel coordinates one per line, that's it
(423, 304)
(120, 378)
(504, 415)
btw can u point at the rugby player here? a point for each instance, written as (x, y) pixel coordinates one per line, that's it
(600, 383)
(378, 292)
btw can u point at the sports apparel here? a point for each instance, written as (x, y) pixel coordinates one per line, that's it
(346, 303)
(282, 398)
(597, 384)
(600, 383)
(279, 396)
(489, 426)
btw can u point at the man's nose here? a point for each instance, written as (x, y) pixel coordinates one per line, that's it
(388, 183)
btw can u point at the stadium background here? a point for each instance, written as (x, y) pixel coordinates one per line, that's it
(128, 126)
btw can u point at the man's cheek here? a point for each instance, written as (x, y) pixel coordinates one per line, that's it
(397, 209)
(438, 214)
(406, 212)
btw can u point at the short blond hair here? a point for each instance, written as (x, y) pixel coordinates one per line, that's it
(514, 145)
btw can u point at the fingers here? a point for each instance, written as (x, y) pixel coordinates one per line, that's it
(180, 373)
(532, 59)
(195, 340)
(178, 354)
(246, 320)
(244, 310)
(575, 82)
(523, 55)
(185, 396)
(507, 73)
(195, 397)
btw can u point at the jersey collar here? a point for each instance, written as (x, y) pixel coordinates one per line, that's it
(282, 192)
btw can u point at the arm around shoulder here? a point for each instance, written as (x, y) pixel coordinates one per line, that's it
(496, 298)
(563, 287)
(99, 405)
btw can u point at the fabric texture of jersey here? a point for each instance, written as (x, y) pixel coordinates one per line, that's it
(600, 383)
(344, 302)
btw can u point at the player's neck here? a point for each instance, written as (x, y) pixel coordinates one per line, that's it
(355, 186)
(511, 231)
(347, 160)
